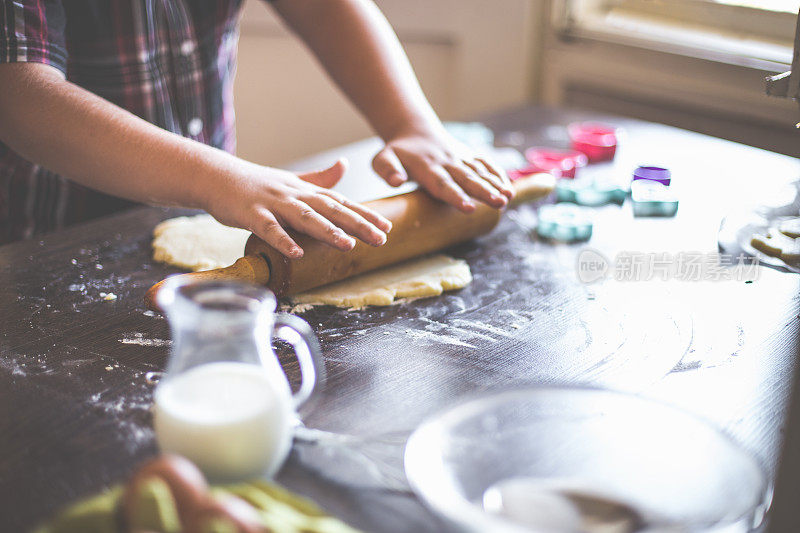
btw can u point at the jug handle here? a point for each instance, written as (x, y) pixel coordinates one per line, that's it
(296, 331)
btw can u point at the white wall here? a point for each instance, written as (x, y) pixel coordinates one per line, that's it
(471, 56)
(474, 56)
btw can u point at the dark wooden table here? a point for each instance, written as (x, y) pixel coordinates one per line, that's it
(76, 371)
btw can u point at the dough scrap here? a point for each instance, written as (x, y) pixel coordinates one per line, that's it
(417, 278)
(775, 243)
(198, 243)
(790, 228)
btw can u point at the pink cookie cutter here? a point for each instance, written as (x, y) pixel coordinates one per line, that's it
(597, 140)
(565, 162)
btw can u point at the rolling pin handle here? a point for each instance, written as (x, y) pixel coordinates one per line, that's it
(248, 269)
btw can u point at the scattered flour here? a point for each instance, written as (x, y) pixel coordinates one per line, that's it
(139, 339)
(474, 324)
(153, 377)
(437, 337)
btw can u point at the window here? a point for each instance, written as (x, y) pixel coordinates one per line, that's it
(785, 6)
(757, 33)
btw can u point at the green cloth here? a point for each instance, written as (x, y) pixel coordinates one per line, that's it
(285, 512)
(157, 509)
(280, 510)
(93, 515)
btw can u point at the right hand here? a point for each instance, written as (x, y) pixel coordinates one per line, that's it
(268, 200)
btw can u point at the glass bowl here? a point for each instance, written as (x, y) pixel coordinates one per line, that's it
(581, 459)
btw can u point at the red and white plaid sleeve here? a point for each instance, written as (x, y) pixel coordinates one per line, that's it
(33, 31)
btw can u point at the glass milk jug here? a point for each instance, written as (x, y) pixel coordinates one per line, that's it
(225, 402)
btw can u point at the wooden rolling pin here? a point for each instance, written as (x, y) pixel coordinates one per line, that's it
(420, 225)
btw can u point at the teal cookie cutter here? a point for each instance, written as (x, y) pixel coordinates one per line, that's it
(473, 134)
(565, 222)
(653, 199)
(590, 192)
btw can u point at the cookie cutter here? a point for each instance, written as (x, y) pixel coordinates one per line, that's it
(473, 134)
(566, 162)
(564, 222)
(659, 174)
(591, 192)
(597, 140)
(652, 198)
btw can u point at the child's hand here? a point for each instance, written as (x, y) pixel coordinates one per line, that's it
(446, 168)
(267, 200)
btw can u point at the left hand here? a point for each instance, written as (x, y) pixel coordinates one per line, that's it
(444, 167)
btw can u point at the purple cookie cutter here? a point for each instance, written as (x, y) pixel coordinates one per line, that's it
(661, 175)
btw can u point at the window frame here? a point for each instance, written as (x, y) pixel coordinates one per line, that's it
(740, 35)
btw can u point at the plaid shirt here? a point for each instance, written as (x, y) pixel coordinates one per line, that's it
(171, 62)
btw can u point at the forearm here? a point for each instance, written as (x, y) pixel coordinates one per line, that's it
(83, 137)
(362, 54)
(87, 139)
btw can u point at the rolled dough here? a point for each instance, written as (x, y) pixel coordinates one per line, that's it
(201, 243)
(198, 243)
(417, 278)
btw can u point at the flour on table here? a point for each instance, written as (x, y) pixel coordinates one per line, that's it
(198, 243)
(418, 278)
